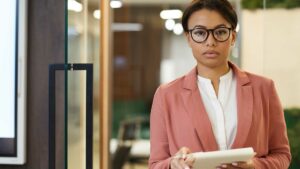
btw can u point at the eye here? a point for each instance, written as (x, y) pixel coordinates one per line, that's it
(221, 31)
(199, 32)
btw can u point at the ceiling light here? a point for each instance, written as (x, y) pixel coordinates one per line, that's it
(169, 24)
(97, 14)
(115, 4)
(171, 14)
(126, 27)
(178, 29)
(74, 6)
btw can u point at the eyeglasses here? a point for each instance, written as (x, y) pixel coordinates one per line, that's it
(220, 34)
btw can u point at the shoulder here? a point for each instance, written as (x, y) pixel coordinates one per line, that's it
(260, 82)
(258, 79)
(173, 86)
(247, 77)
(188, 81)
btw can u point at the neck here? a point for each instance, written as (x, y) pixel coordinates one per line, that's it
(212, 73)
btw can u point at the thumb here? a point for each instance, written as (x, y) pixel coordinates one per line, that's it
(184, 151)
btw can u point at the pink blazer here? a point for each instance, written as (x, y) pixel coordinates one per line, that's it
(178, 119)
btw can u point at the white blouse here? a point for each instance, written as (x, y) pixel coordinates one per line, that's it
(221, 109)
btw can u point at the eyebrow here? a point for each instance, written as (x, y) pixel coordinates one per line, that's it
(201, 26)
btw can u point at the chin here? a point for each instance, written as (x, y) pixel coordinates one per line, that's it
(213, 63)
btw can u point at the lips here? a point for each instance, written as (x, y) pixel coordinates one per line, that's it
(211, 54)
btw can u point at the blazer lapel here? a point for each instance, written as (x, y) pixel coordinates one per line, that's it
(196, 111)
(244, 107)
(199, 118)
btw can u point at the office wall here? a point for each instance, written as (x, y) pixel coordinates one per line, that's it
(270, 47)
(45, 46)
(177, 56)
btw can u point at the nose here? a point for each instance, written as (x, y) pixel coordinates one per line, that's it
(210, 41)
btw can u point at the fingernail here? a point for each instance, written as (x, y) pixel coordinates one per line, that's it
(183, 156)
(224, 166)
(234, 164)
(186, 167)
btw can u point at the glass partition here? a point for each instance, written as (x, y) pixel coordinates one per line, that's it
(83, 48)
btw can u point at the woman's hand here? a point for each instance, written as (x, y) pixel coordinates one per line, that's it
(238, 165)
(181, 160)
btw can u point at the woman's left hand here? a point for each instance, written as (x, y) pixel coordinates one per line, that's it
(238, 165)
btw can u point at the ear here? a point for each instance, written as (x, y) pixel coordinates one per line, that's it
(188, 38)
(234, 36)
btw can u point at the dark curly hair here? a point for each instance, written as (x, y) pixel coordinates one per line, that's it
(221, 6)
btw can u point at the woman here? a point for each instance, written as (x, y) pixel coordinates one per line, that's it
(216, 106)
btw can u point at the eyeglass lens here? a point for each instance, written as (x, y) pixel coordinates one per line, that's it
(201, 34)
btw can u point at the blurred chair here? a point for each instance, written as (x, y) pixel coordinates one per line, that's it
(120, 156)
(128, 132)
(140, 151)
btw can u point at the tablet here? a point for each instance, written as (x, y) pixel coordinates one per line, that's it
(213, 159)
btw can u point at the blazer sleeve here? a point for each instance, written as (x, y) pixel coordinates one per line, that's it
(159, 152)
(279, 156)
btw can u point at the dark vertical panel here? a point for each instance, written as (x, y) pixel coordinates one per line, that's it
(45, 46)
(137, 55)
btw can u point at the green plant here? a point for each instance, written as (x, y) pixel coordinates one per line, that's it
(292, 117)
(252, 4)
(258, 4)
(126, 110)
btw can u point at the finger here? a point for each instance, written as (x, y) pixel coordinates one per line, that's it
(190, 160)
(245, 165)
(180, 163)
(184, 165)
(242, 165)
(232, 167)
(184, 151)
(223, 166)
(228, 166)
(175, 164)
(187, 167)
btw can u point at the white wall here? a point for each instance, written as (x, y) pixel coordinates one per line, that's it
(271, 47)
(177, 57)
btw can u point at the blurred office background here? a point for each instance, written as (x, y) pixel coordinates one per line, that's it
(148, 48)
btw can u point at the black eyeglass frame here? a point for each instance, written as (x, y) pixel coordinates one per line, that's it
(208, 33)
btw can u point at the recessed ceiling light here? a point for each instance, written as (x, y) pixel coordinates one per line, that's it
(178, 29)
(97, 14)
(74, 6)
(171, 14)
(115, 4)
(169, 24)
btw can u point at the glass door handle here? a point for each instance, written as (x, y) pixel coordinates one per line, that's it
(89, 111)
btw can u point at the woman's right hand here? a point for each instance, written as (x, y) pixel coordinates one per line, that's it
(181, 160)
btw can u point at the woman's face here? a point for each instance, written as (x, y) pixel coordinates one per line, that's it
(210, 53)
